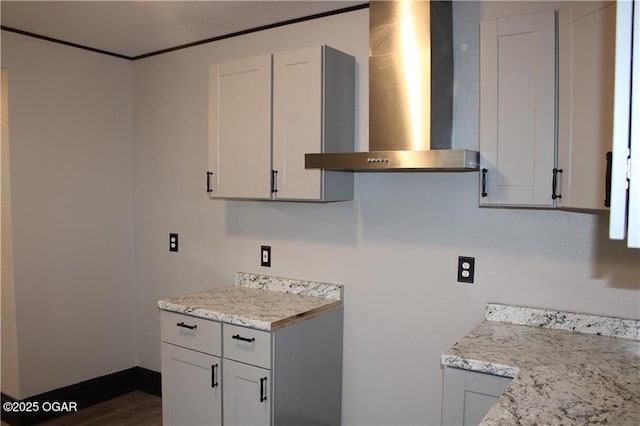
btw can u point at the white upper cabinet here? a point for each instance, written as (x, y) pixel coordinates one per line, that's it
(264, 118)
(517, 110)
(586, 55)
(240, 128)
(625, 190)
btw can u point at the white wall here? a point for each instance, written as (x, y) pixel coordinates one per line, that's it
(71, 159)
(394, 248)
(9, 341)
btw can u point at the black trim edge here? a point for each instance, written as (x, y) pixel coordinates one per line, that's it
(254, 30)
(66, 43)
(194, 43)
(86, 393)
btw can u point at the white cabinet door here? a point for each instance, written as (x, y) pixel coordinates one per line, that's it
(306, 102)
(247, 394)
(468, 395)
(240, 128)
(625, 181)
(191, 391)
(297, 121)
(517, 110)
(313, 111)
(586, 53)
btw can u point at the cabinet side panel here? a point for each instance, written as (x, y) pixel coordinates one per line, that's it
(337, 186)
(339, 119)
(307, 372)
(339, 101)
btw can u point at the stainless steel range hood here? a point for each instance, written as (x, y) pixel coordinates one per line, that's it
(410, 94)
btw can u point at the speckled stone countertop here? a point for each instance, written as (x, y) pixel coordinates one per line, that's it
(259, 301)
(567, 369)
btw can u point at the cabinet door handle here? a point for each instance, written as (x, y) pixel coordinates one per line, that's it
(209, 182)
(484, 182)
(214, 375)
(244, 339)
(274, 181)
(263, 390)
(554, 184)
(190, 327)
(607, 189)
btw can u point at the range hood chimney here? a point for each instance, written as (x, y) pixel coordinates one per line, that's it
(410, 93)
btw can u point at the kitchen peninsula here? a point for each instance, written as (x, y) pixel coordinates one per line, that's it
(566, 368)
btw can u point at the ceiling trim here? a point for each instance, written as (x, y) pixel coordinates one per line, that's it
(194, 43)
(66, 43)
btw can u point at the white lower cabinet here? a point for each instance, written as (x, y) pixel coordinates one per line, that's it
(290, 376)
(468, 396)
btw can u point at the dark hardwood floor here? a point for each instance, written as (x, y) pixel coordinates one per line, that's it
(133, 409)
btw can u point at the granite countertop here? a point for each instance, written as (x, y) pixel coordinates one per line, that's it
(569, 369)
(259, 301)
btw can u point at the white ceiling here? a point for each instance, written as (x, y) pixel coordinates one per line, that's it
(133, 28)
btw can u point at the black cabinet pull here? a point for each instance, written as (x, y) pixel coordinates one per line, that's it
(263, 390)
(554, 185)
(214, 375)
(209, 182)
(607, 189)
(484, 182)
(274, 181)
(190, 327)
(244, 339)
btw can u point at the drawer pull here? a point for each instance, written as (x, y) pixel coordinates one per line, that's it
(244, 339)
(190, 327)
(263, 390)
(214, 375)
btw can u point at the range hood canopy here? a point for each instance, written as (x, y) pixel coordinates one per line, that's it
(410, 93)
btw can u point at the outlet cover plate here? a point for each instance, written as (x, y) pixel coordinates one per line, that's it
(173, 242)
(265, 256)
(466, 269)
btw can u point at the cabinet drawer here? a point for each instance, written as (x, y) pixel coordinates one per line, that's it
(194, 333)
(247, 345)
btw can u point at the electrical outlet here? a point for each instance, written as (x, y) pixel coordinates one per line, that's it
(265, 256)
(173, 242)
(466, 269)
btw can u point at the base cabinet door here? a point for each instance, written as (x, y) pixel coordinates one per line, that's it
(468, 395)
(247, 394)
(191, 391)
